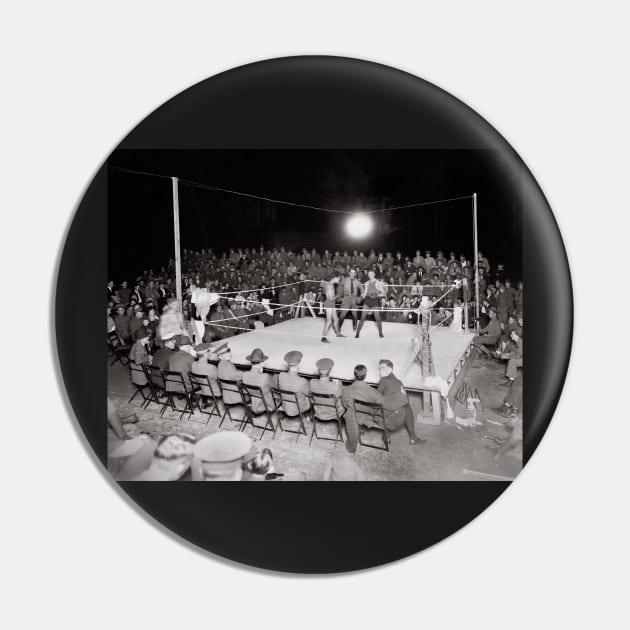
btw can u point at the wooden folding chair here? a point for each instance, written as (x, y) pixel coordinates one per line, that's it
(203, 391)
(175, 385)
(252, 393)
(376, 414)
(227, 385)
(138, 370)
(118, 347)
(283, 395)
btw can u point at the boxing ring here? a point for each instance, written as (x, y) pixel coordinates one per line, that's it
(450, 349)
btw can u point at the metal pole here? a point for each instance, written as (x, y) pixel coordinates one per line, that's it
(178, 262)
(476, 262)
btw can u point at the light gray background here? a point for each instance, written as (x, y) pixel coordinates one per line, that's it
(552, 77)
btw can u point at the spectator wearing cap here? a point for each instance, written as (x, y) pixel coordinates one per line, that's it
(162, 356)
(222, 456)
(122, 324)
(226, 370)
(139, 354)
(395, 403)
(181, 361)
(291, 381)
(205, 366)
(325, 385)
(488, 336)
(257, 377)
(429, 261)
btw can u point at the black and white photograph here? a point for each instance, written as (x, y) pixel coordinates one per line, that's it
(314, 315)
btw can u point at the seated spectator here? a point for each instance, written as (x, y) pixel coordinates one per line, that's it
(137, 321)
(124, 293)
(181, 361)
(122, 324)
(153, 322)
(325, 385)
(395, 403)
(205, 366)
(139, 354)
(514, 357)
(257, 377)
(489, 335)
(358, 390)
(162, 356)
(293, 382)
(226, 370)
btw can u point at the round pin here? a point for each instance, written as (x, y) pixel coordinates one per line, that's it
(314, 270)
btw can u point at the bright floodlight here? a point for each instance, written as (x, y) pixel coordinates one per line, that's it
(359, 226)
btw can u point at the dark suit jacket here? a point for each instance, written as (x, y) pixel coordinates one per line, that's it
(180, 361)
(392, 390)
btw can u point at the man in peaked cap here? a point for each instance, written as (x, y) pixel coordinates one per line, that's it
(226, 370)
(221, 456)
(325, 385)
(293, 382)
(258, 378)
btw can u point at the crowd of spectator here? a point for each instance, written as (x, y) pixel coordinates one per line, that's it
(243, 289)
(258, 287)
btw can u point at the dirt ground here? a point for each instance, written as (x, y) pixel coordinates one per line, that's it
(449, 451)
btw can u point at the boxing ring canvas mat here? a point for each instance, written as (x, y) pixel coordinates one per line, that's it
(450, 348)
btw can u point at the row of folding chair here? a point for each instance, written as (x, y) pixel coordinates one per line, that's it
(259, 411)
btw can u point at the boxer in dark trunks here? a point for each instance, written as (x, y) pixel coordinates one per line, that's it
(373, 290)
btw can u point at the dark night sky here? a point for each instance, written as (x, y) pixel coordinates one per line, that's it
(140, 207)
